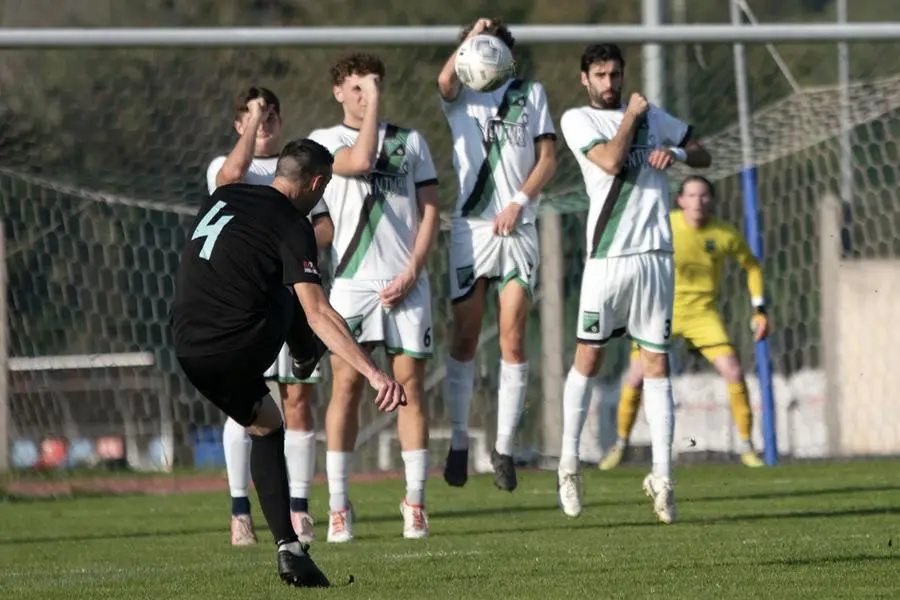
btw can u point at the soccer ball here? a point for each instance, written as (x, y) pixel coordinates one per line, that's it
(484, 63)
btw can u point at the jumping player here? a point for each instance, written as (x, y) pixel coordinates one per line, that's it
(702, 243)
(384, 206)
(627, 286)
(247, 282)
(257, 121)
(504, 154)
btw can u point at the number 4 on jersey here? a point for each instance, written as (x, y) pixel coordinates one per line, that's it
(210, 231)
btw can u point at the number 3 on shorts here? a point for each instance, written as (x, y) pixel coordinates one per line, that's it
(210, 231)
(668, 330)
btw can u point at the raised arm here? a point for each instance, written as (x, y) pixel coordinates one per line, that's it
(238, 160)
(448, 82)
(611, 155)
(360, 157)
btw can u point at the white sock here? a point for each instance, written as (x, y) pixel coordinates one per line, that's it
(576, 396)
(416, 466)
(236, 441)
(510, 402)
(659, 406)
(337, 468)
(459, 385)
(300, 456)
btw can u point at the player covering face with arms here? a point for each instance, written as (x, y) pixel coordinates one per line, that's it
(383, 202)
(504, 154)
(627, 285)
(247, 282)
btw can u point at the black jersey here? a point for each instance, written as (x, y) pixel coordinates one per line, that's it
(247, 246)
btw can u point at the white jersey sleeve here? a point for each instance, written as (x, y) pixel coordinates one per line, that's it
(542, 126)
(329, 139)
(423, 171)
(214, 167)
(673, 131)
(580, 132)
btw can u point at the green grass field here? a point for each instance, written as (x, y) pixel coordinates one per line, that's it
(795, 531)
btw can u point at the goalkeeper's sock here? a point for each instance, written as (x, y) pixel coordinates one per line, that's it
(629, 404)
(741, 412)
(660, 409)
(236, 443)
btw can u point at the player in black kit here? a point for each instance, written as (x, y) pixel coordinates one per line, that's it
(248, 281)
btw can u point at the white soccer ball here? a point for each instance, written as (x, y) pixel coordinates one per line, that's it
(484, 63)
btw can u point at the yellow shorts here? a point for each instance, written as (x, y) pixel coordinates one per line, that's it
(704, 331)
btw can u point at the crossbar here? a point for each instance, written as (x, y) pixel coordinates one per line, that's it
(441, 34)
(122, 360)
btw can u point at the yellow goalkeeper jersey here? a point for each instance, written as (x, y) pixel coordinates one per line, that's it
(699, 258)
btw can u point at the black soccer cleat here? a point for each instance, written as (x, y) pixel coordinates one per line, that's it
(504, 471)
(295, 567)
(456, 469)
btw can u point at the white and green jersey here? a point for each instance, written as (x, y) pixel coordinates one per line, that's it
(493, 145)
(629, 212)
(261, 171)
(376, 216)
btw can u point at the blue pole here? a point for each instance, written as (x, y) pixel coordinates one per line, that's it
(754, 235)
(753, 232)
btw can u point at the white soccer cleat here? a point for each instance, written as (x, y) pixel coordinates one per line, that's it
(415, 521)
(242, 533)
(303, 527)
(661, 489)
(340, 526)
(570, 493)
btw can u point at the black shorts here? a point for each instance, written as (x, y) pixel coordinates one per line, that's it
(233, 381)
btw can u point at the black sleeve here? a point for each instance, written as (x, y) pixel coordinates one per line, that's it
(299, 254)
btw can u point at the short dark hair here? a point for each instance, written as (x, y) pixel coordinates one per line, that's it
(356, 63)
(252, 93)
(596, 53)
(497, 28)
(699, 179)
(303, 159)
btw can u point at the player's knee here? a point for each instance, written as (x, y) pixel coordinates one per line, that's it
(655, 364)
(730, 368)
(464, 343)
(512, 345)
(267, 418)
(297, 407)
(588, 360)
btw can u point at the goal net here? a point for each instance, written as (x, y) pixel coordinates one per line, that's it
(102, 168)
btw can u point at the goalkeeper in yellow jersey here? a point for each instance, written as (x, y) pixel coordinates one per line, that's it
(702, 242)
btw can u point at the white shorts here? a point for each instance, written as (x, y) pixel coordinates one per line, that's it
(404, 329)
(476, 253)
(627, 295)
(282, 372)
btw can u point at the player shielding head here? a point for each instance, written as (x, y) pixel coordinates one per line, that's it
(268, 122)
(384, 206)
(504, 154)
(623, 152)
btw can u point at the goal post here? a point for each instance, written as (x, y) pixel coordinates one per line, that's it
(97, 207)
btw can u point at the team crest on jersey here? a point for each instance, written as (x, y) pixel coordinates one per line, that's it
(590, 322)
(354, 324)
(710, 245)
(465, 276)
